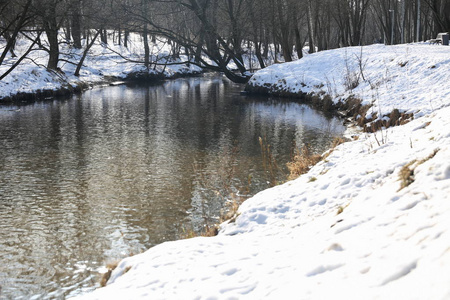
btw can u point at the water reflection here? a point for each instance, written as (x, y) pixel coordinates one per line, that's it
(119, 169)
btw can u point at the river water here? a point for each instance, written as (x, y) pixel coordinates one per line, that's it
(110, 173)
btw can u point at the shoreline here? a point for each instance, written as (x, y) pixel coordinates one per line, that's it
(31, 80)
(349, 109)
(377, 90)
(74, 88)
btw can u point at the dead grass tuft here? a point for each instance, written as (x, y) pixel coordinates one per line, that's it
(341, 208)
(337, 141)
(107, 275)
(231, 208)
(302, 162)
(208, 231)
(406, 174)
(403, 63)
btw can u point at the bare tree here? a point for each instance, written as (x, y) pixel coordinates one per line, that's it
(213, 32)
(18, 18)
(441, 14)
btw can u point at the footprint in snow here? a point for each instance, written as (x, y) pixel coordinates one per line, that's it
(401, 273)
(322, 269)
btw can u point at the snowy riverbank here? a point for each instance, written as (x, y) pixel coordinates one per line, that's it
(412, 78)
(103, 65)
(371, 221)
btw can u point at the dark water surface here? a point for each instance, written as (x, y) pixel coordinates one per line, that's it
(98, 177)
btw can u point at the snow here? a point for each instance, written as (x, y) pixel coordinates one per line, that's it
(413, 78)
(346, 229)
(102, 62)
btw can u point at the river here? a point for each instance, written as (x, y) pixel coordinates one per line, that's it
(109, 173)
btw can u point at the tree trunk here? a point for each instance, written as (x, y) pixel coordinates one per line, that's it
(284, 30)
(67, 31)
(11, 41)
(24, 55)
(259, 56)
(146, 48)
(310, 29)
(88, 46)
(104, 36)
(125, 38)
(119, 36)
(76, 24)
(198, 50)
(51, 29)
(298, 42)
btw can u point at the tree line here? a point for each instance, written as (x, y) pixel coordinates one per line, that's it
(221, 30)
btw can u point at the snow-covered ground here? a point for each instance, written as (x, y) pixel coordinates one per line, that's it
(413, 78)
(102, 61)
(352, 227)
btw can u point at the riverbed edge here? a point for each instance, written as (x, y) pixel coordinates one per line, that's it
(75, 87)
(350, 109)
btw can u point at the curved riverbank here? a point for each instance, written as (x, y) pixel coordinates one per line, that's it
(70, 85)
(351, 108)
(79, 87)
(104, 64)
(377, 86)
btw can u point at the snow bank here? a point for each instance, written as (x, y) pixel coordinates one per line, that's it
(346, 229)
(412, 78)
(102, 63)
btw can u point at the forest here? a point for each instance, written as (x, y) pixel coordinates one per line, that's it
(213, 33)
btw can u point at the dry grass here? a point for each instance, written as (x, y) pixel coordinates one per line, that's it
(337, 141)
(302, 161)
(229, 213)
(341, 208)
(107, 275)
(406, 174)
(207, 231)
(312, 179)
(231, 209)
